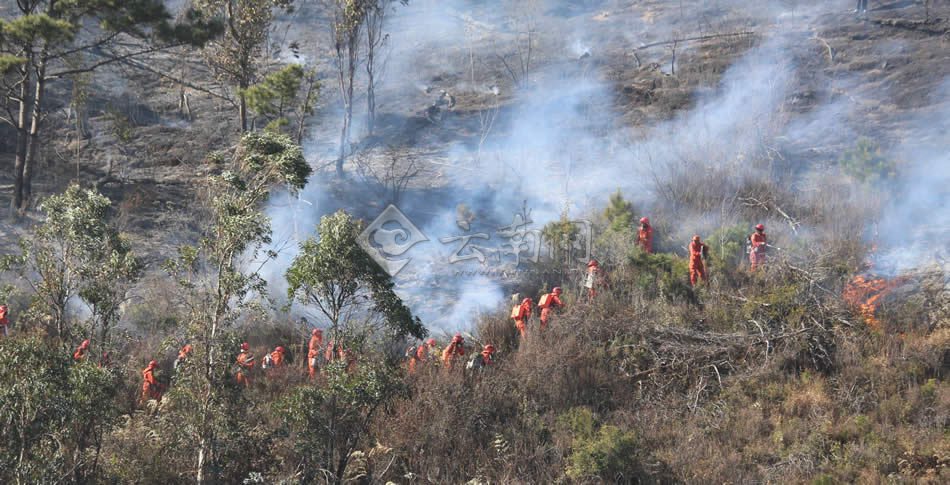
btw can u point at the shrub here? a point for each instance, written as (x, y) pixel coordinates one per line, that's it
(866, 164)
(610, 455)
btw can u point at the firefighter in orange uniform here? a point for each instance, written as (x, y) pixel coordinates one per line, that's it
(548, 303)
(185, 352)
(595, 277)
(455, 349)
(81, 351)
(316, 341)
(3, 321)
(758, 242)
(421, 354)
(277, 357)
(697, 269)
(645, 235)
(245, 362)
(521, 313)
(151, 388)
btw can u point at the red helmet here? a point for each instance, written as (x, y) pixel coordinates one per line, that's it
(153, 364)
(592, 263)
(85, 343)
(245, 346)
(3, 308)
(490, 348)
(316, 331)
(279, 349)
(457, 338)
(526, 300)
(695, 238)
(556, 290)
(430, 342)
(644, 220)
(760, 227)
(187, 348)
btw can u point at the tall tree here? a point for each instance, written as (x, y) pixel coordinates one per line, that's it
(75, 252)
(337, 276)
(235, 58)
(36, 43)
(216, 288)
(377, 12)
(346, 24)
(289, 90)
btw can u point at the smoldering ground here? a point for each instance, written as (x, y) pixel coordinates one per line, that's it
(558, 142)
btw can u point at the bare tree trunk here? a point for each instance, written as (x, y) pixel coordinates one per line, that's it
(32, 154)
(22, 137)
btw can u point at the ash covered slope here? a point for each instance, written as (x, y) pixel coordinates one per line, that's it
(492, 105)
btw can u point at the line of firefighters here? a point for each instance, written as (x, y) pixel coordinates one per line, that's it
(757, 244)
(427, 352)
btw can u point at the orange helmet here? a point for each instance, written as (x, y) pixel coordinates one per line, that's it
(526, 300)
(592, 263)
(187, 348)
(457, 338)
(245, 346)
(153, 364)
(490, 348)
(316, 331)
(430, 342)
(556, 290)
(85, 343)
(279, 349)
(760, 227)
(644, 220)
(3, 308)
(695, 238)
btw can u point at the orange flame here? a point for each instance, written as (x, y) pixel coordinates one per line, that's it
(864, 294)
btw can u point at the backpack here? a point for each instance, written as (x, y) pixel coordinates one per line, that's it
(476, 363)
(545, 300)
(267, 361)
(411, 352)
(705, 252)
(516, 312)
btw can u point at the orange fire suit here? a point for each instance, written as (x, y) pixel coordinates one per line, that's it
(546, 311)
(80, 353)
(3, 323)
(314, 350)
(453, 351)
(645, 238)
(757, 255)
(151, 388)
(276, 359)
(245, 363)
(697, 269)
(524, 314)
(421, 357)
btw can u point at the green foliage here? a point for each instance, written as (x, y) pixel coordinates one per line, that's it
(122, 127)
(338, 276)
(599, 451)
(76, 252)
(217, 290)
(619, 214)
(562, 236)
(663, 272)
(727, 246)
(326, 423)
(277, 93)
(51, 411)
(866, 164)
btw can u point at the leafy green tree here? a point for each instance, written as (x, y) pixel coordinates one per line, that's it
(276, 96)
(41, 43)
(327, 423)
(236, 57)
(561, 235)
(866, 163)
(76, 252)
(619, 214)
(216, 287)
(52, 413)
(337, 276)
(599, 451)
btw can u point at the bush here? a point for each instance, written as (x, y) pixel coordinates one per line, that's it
(610, 455)
(866, 164)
